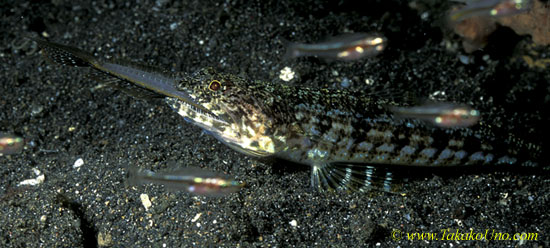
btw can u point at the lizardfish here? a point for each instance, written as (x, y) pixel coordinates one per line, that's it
(351, 139)
(493, 8)
(191, 179)
(348, 47)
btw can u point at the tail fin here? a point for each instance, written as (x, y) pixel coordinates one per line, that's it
(291, 49)
(65, 55)
(136, 176)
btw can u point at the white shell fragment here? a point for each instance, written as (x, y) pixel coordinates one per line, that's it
(293, 223)
(35, 181)
(79, 162)
(286, 74)
(145, 201)
(197, 216)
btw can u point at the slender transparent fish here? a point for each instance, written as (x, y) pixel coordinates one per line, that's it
(134, 79)
(343, 47)
(493, 8)
(441, 114)
(10, 144)
(191, 179)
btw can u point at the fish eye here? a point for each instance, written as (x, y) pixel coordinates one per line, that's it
(215, 85)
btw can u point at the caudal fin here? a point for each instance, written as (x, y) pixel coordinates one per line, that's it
(291, 49)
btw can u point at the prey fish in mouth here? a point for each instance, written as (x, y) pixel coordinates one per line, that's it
(352, 140)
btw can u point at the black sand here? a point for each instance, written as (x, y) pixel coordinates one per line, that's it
(64, 118)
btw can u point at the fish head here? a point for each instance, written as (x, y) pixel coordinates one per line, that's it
(227, 107)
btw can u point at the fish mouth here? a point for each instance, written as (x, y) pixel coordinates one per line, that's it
(190, 109)
(191, 103)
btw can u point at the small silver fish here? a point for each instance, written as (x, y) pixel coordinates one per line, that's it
(343, 47)
(191, 179)
(10, 144)
(441, 114)
(138, 80)
(493, 8)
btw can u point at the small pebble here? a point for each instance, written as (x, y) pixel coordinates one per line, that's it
(293, 223)
(145, 201)
(79, 162)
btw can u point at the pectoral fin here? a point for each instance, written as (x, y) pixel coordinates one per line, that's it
(356, 177)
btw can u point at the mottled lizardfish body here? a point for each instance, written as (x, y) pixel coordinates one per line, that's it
(350, 139)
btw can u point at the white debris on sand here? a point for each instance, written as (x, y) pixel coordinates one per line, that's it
(79, 162)
(35, 181)
(145, 201)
